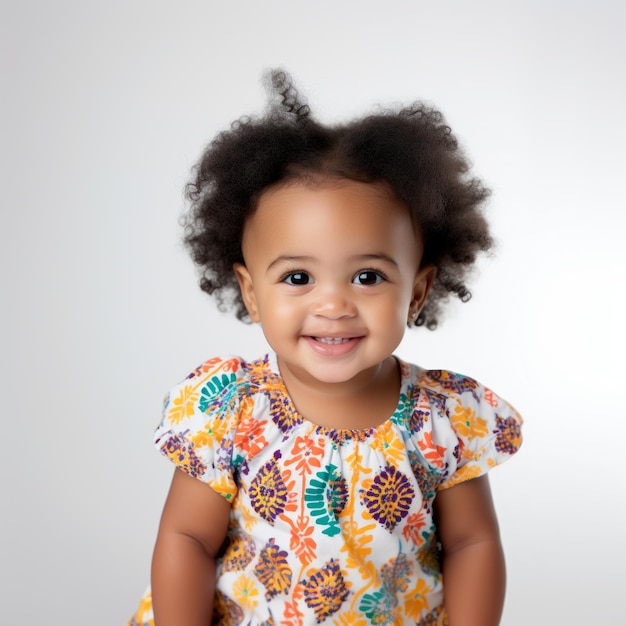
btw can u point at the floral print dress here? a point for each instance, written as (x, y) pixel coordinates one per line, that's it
(329, 526)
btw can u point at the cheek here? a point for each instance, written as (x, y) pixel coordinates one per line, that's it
(277, 311)
(283, 309)
(391, 315)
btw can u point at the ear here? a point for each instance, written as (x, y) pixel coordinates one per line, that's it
(247, 290)
(424, 279)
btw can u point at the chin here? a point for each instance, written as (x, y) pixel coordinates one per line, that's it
(336, 375)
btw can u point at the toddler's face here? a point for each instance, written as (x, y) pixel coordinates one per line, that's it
(332, 273)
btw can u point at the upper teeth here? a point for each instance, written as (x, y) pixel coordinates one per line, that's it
(332, 339)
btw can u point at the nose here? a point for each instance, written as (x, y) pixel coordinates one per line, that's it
(333, 303)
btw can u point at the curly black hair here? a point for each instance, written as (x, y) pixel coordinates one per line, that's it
(411, 150)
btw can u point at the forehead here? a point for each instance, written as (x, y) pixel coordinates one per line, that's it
(344, 211)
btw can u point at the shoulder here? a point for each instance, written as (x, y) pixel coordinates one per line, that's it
(460, 405)
(229, 366)
(219, 382)
(470, 400)
(460, 390)
(442, 388)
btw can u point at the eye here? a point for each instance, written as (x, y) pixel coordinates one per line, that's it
(297, 278)
(368, 277)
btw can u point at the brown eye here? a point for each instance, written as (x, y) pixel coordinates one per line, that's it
(368, 277)
(298, 278)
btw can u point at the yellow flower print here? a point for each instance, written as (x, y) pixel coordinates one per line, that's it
(354, 461)
(390, 445)
(249, 519)
(245, 592)
(416, 601)
(465, 473)
(467, 424)
(226, 488)
(355, 544)
(144, 612)
(214, 430)
(350, 618)
(183, 405)
(471, 455)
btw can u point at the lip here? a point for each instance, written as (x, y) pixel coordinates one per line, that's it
(332, 345)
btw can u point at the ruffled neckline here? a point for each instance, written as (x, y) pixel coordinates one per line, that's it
(343, 435)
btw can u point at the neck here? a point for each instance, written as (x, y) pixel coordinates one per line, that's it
(363, 402)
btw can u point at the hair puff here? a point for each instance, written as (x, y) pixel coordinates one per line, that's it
(411, 150)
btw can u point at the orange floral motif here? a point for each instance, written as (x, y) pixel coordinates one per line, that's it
(306, 453)
(231, 365)
(414, 524)
(206, 367)
(490, 398)
(301, 543)
(432, 452)
(292, 614)
(249, 436)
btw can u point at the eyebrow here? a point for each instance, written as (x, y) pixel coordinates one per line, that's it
(284, 258)
(294, 259)
(381, 256)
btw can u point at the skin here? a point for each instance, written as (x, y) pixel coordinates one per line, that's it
(192, 529)
(332, 273)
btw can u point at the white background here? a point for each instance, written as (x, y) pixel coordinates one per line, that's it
(105, 108)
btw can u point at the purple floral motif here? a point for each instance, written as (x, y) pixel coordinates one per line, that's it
(268, 492)
(325, 590)
(273, 570)
(451, 381)
(240, 551)
(508, 435)
(181, 453)
(427, 478)
(226, 612)
(388, 497)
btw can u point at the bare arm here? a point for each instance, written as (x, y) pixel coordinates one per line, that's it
(473, 562)
(193, 527)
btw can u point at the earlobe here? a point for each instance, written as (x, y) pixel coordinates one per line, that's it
(421, 287)
(247, 290)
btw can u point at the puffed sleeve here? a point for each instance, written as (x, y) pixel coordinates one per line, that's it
(200, 418)
(485, 429)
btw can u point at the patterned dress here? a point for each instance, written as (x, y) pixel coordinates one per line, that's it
(329, 526)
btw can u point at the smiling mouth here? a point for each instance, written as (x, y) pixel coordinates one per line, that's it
(333, 341)
(333, 346)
